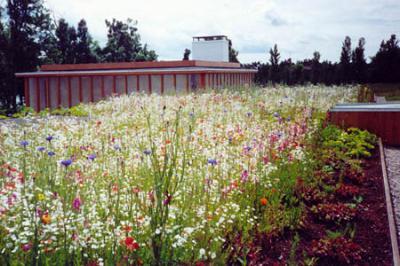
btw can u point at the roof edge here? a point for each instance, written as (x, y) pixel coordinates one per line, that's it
(137, 65)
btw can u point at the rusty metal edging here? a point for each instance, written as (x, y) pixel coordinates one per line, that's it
(389, 209)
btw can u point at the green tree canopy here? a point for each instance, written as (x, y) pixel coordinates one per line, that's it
(123, 43)
(233, 54)
(186, 54)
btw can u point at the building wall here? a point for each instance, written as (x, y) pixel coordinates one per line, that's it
(54, 92)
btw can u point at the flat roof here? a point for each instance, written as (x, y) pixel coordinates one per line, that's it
(139, 65)
(211, 37)
(143, 71)
(367, 107)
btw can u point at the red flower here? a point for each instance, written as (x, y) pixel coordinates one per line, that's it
(263, 201)
(130, 243)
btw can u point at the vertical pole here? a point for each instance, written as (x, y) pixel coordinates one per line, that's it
(102, 87)
(114, 88)
(91, 89)
(175, 82)
(162, 83)
(27, 96)
(137, 83)
(149, 83)
(187, 82)
(46, 86)
(37, 95)
(58, 92)
(69, 92)
(126, 84)
(80, 89)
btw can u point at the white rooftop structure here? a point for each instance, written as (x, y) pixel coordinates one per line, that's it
(211, 48)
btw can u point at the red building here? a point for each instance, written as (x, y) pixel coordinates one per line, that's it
(56, 86)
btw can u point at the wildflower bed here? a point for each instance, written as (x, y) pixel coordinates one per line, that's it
(149, 179)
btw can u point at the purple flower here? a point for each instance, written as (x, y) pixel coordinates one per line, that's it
(40, 148)
(51, 153)
(276, 114)
(91, 157)
(24, 143)
(213, 162)
(26, 247)
(244, 176)
(249, 114)
(147, 152)
(167, 199)
(66, 162)
(49, 138)
(76, 204)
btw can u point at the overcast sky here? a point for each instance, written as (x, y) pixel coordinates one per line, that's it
(299, 27)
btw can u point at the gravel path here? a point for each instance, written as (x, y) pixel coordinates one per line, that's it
(392, 157)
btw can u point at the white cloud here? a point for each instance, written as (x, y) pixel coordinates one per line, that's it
(298, 27)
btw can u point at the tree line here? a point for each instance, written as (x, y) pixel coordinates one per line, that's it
(352, 67)
(30, 37)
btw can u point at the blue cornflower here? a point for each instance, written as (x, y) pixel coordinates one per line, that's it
(66, 162)
(91, 157)
(213, 162)
(49, 138)
(51, 153)
(147, 152)
(24, 143)
(249, 114)
(40, 148)
(117, 147)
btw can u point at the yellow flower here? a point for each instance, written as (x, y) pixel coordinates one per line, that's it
(41, 197)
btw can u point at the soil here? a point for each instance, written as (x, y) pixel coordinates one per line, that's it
(372, 223)
(372, 230)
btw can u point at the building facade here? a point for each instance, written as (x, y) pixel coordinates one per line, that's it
(55, 86)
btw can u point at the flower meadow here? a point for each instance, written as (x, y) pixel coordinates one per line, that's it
(149, 179)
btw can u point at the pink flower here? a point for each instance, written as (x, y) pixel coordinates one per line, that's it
(76, 204)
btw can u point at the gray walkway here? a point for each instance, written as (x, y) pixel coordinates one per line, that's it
(392, 157)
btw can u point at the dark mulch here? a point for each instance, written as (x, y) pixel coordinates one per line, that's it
(372, 230)
(372, 222)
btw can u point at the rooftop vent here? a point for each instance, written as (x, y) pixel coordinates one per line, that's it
(211, 48)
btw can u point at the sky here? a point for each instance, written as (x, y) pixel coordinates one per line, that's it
(298, 27)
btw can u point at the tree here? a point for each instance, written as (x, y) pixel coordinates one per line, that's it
(84, 52)
(6, 91)
(123, 43)
(345, 61)
(359, 62)
(29, 23)
(385, 65)
(274, 60)
(146, 55)
(316, 68)
(233, 54)
(186, 54)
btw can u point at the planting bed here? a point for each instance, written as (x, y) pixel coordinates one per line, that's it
(229, 177)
